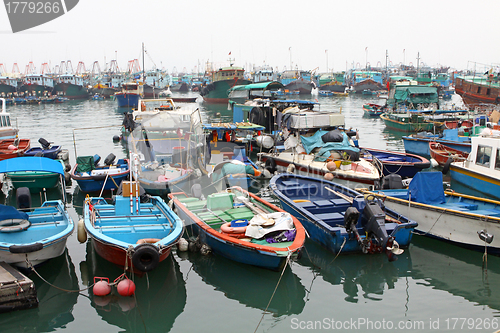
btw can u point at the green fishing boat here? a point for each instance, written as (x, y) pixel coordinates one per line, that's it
(35, 180)
(406, 122)
(222, 80)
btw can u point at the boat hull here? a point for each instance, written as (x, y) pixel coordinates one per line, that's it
(127, 99)
(451, 226)
(404, 164)
(35, 258)
(217, 92)
(441, 153)
(71, 91)
(486, 185)
(420, 145)
(34, 180)
(405, 125)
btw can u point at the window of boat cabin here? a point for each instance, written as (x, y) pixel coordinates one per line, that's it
(483, 155)
(497, 160)
(3, 121)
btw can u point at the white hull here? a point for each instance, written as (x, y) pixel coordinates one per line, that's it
(35, 258)
(451, 225)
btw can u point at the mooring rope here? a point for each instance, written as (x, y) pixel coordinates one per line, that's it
(276, 288)
(30, 265)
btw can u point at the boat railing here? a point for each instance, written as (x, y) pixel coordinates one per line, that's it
(133, 226)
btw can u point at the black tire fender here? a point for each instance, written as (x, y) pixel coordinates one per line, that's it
(270, 165)
(145, 257)
(446, 166)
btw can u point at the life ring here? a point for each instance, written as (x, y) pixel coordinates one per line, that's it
(14, 225)
(148, 241)
(145, 257)
(226, 228)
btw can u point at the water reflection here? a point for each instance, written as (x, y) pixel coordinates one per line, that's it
(55, 308)
(250, 285)
(160, 296)
(361, 276)
(457, 271)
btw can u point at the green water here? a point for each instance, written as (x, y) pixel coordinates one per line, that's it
(433, 286)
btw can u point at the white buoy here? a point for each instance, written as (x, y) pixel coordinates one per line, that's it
(434, 163)
(265, 141)
(82, 234)
(183, 245)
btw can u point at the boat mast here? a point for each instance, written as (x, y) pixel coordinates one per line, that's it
(143, 74)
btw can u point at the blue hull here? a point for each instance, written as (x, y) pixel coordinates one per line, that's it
(420, 146)
(404, 164)
(49, 153)
(322, 213)
(97, 185)
(485, 185)
(127, 100)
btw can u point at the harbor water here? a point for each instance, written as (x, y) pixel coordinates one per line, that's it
(433, 286)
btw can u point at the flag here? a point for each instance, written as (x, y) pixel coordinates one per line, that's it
(229, 52)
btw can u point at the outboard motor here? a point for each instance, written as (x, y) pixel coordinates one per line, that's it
(109, 159)
(23, 198)
(45, 144)
(392, 181)
(97, 158)
(375, 225)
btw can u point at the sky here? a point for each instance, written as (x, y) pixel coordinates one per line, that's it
(183, 35)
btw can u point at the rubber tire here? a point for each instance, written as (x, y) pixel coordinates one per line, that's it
(446, 166)
(145, 257)
(270, 165)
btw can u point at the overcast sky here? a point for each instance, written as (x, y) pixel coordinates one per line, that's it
(308, 33)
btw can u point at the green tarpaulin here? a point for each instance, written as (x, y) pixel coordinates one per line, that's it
(416, 94)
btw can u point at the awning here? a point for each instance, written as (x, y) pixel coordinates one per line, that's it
(258, 86)
(31, 163)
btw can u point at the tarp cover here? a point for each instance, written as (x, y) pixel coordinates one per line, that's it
(416, 94)
(311, 142)
(84, 163)
(9, 212)
(31, 163)
(427, 187)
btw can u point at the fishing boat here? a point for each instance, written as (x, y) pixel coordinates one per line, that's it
(10, 148)
(418, 144)
(132, 232)
(299, 81)
(393, 162)
(93, 177)
(222, 80)
(8, 86)
(241, 226)
(481, 170)
(334, 82)
(46, 150)
(171, 150)
(129, 95)
(373, 110)
(465, 220)
(337, 157)
(443, 154)
(408, 122)
(7, 131)
(363, 81)
(31, 235)
(37, 85)
(35, 180)
(71, 86)
(476, 89)
(251, 91)
(340, 219)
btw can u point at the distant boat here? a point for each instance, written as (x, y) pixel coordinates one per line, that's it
(10, 148)
(129, 95)
(37, 85)
(418, 144)
(71, 86)
(373, 110)
(7, 130)
(222, 80)
(479, 89)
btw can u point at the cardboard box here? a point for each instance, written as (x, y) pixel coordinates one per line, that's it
(126, 188)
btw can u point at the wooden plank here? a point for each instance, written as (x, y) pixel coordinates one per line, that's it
(16, 290)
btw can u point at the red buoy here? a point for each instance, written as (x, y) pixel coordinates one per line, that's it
(101, 288)
(126, 287)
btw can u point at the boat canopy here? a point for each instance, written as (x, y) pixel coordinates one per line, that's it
(427, 187)
(416, 94)
(258, 86)
(31, 163)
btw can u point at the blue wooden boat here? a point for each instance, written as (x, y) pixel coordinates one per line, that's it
(46, 150)
(29, 235)
(341, 219)
(228, 222)
(132, 232)
(92, 177)
(419, 143)
(392, 162)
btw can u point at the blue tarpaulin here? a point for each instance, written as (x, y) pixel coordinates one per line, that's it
(9, 212)
(427, 187)
(315, 141)
(31, 163)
